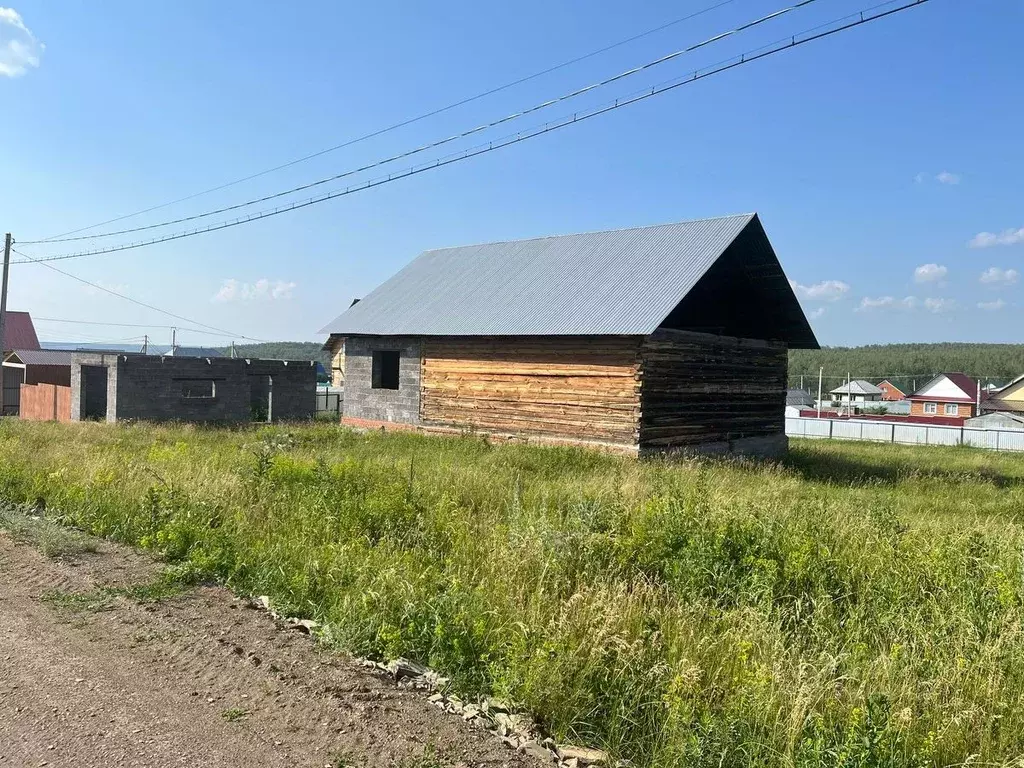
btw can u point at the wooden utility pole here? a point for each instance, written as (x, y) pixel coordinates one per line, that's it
(3, 315)
(145, 344)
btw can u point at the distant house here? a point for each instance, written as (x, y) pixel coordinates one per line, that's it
(1007, 398)
(19, 332)
(856, 391)
(1006, 420)
(952, 395)
(800, 398)
(641, 340)
(890, 392)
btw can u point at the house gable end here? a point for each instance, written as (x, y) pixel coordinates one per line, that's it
(745, 294)
(943, 388)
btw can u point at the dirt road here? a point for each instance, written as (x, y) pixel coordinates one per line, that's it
(90, 678)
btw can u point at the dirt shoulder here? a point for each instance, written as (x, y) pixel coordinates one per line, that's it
(95, 677)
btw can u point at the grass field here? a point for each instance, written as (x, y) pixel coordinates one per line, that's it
(857, 605)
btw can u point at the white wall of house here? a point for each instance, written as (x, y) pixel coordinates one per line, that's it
(944, 388)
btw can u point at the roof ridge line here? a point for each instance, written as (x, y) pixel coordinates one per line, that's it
(750, 215)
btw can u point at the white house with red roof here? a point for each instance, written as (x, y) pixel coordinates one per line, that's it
(951, 395)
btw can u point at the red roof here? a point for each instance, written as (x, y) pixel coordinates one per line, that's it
(961, 380)
(19, 333)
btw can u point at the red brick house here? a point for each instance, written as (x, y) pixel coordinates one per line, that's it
(950, 395)
(890, 392)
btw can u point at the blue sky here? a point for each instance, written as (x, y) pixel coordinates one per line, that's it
(877, 158)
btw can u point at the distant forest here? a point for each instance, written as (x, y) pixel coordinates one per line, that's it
(906, 365)
(283, 350)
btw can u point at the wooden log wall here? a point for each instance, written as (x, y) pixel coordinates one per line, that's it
(572, 387)
(700, 388)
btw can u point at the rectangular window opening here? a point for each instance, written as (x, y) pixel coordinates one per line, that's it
(930, 408)
(951, 409)
(199, 389)
(385, 369)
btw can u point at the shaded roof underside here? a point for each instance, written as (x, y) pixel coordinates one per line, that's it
(622, 282)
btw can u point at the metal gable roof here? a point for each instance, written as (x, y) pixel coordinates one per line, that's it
(857, 387)
(41, 356)
(621, 282)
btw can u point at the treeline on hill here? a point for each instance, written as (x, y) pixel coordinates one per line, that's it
(283, 350)
(906, 365)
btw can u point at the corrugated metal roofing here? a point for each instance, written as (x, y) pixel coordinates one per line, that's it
(857, 387)
(44, 356)
(19, 333)
(621, 282)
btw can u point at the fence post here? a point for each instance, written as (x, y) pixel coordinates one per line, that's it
(830, 423)
(892, 433)
(997, 438)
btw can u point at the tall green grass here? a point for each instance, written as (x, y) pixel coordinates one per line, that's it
(856, 605)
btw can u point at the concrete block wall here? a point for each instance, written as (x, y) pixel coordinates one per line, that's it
(364, 402)
(150, 388)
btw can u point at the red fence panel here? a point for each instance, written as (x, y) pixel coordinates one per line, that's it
(45, 402)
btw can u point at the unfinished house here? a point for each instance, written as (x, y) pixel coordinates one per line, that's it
(650, 339)
(116, 387)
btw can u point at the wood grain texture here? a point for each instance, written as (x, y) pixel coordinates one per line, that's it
(699, 388)
(576, 388)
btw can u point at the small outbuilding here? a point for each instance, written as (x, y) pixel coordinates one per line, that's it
(115, 387)
(664, 337)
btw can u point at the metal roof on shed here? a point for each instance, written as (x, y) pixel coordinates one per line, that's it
(618, 282)
(41, 356)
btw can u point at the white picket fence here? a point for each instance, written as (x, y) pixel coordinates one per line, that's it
(905, 434)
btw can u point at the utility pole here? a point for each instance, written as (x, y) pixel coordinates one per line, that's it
(821, 371)
(3, 315)
(174, 339)
(232, 350)
(145, 344)
(849, 394)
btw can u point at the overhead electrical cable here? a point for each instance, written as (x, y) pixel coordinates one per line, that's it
(793, 41)
(449, 139)
(133, 301)
(132, 325)
(406, 122)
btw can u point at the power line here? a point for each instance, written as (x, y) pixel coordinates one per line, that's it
(454, 137)
(792, 41)
(403, 123)
(43, 263)
(133, 325)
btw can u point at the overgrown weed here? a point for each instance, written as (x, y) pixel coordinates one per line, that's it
(855, 605)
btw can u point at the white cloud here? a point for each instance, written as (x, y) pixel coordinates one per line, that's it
(262, 289)
(1006, 237)
(939, 306)
(943, 177)
(929, 273)
(886, 302)
(814, 314)
(19, 48)
(991, 306)
(998, 276)
(827, 290)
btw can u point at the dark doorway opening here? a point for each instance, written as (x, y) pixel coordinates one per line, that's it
(94, 392)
